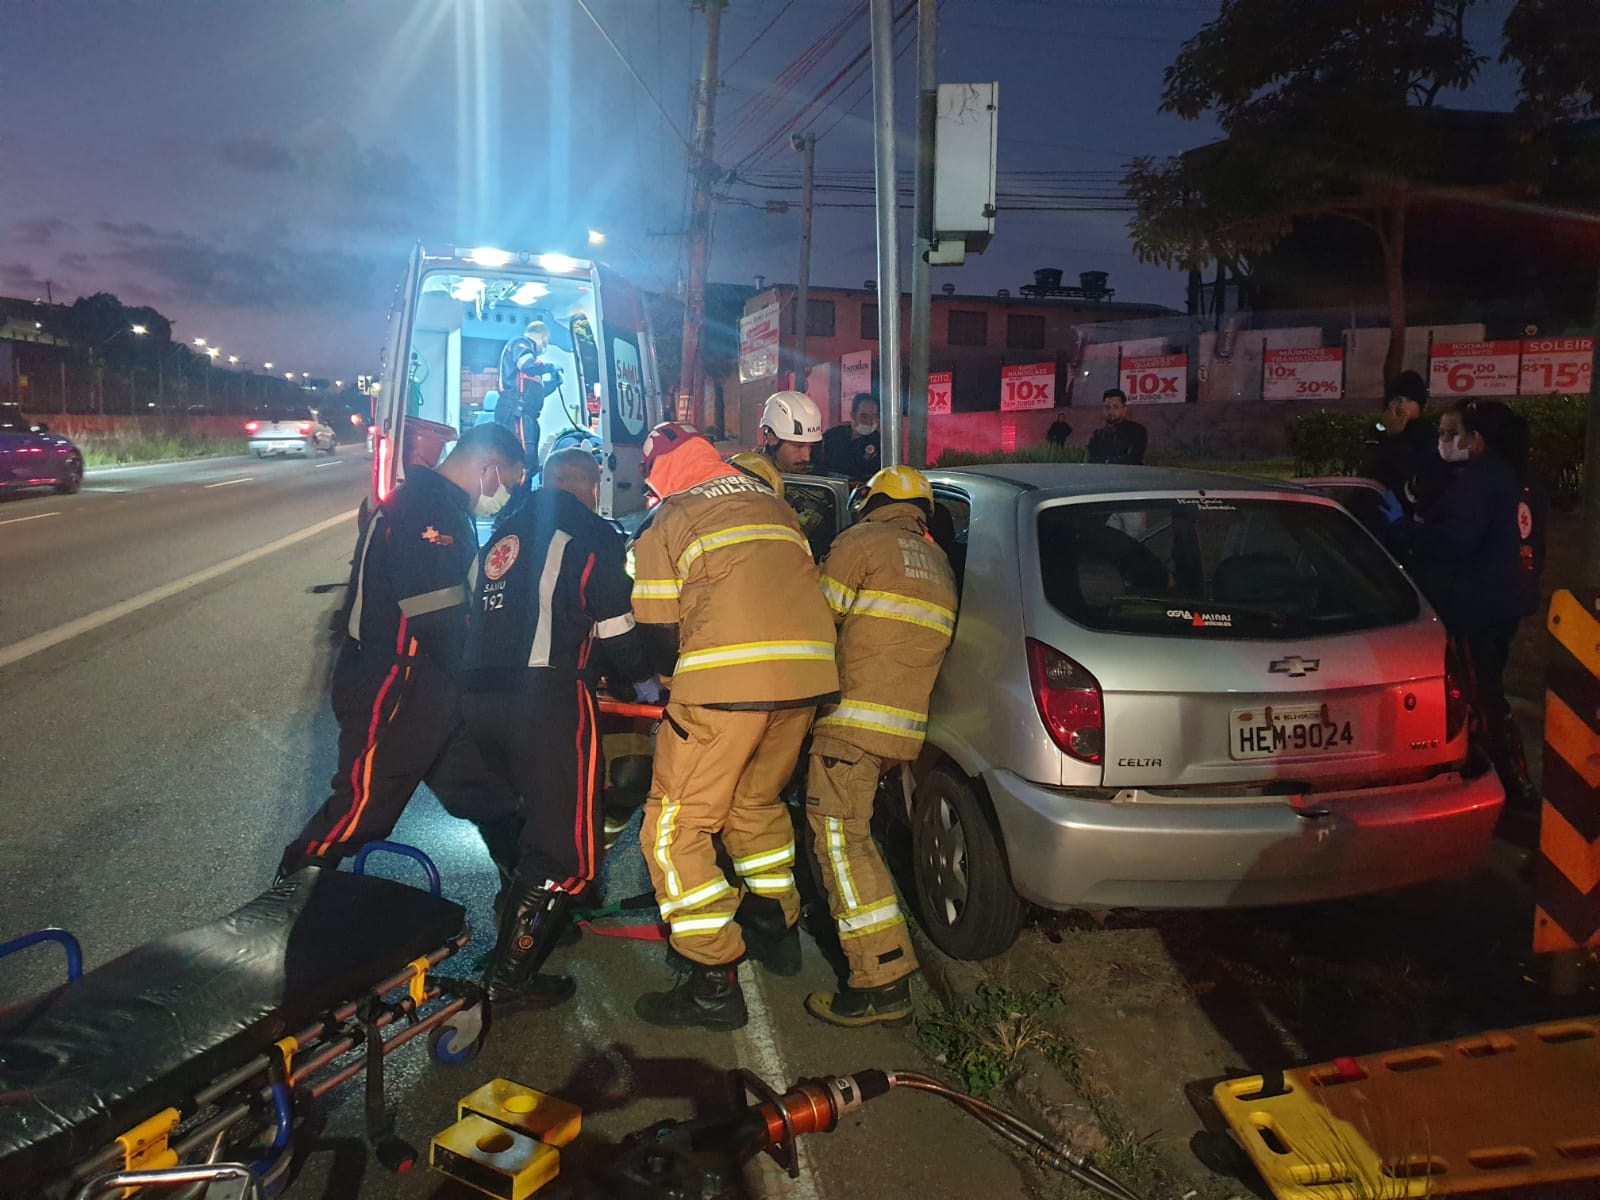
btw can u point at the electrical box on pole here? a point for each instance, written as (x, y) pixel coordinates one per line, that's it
(965, 149)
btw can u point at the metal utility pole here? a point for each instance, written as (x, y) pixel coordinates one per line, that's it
(1591, 465)
(922, 218)
(702, 169)
(807, 145)
(888, 229)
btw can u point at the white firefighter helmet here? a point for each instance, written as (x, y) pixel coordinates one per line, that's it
(792, 417)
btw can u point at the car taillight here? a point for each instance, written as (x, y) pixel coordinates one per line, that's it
(1455, 694)
(1069, 702)
(383, 484)
(305, 426)
(252, 426)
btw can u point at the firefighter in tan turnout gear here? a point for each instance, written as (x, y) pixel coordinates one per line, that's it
(894, 597)
(726, 594)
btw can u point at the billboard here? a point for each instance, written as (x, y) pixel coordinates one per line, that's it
(758, 343)
(1556, 365)
(940, 385)
(855, 375)
(1473, 369)
(1309, 373)
(1156, 378)
(1027, 385)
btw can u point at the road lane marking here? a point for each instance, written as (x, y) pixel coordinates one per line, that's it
(756, 1046)
(231, 482)
(17, 651)
(35, 517)
(332, 462)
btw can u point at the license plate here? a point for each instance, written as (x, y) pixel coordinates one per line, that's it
(1298, 732)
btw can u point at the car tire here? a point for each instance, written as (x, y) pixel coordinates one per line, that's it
(964, 897)
(259, 453)
(71, 477)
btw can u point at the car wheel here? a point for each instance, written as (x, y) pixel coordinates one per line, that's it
(260, 453)
(71, 477)
(964, 895)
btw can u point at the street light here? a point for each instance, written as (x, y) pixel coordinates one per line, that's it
(596, 238)
(267, 366)
(139, 329)
(233, 359)
(199, 341)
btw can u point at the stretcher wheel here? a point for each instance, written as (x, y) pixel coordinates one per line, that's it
(458, 1040)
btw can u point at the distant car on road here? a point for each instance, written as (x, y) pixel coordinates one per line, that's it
(33, 457)
(289, 431)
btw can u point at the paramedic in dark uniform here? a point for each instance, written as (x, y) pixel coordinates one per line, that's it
(524, 383)
(394, 689)
(553, 589)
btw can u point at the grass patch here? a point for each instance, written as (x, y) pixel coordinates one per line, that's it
(981, 1042)
(116, 451)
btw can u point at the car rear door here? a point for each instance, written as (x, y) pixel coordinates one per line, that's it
(1239, 640)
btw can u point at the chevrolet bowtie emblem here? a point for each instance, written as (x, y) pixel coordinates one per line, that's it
(1294, 666)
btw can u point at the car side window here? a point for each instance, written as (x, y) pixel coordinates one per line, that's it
(949, 525)
(814, 505)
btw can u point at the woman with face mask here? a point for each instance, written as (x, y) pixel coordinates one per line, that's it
(1428, 486)
(1477, 553)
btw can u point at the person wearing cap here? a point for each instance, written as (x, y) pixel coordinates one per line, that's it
(791, 433)
(893, 597)
(727, 599)
(1404, 455)
(552, 591)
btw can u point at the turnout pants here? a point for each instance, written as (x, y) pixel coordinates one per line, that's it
(720, 772)
(399, 729)
(841, 783)
(543, 740)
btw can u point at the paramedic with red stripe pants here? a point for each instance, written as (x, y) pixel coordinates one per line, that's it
(394, 690)
(553, 589)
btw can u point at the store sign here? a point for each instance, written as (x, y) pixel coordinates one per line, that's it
(1026, 386)
(1308, 373)
(1556, 365)
(758, 344)
(1156, 379)
(1473, 369)
(940, 385)
(855, 376)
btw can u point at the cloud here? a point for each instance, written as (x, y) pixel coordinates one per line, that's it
(20, 275)
(270, 269)
(42, 230)
(75, 261)
(132, 229)
(258, 153)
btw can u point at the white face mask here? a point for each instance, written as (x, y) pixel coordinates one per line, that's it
(489, 505)
(1452, 451)
(865, 428)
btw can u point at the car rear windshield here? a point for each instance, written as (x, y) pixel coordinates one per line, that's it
(1214, 567)
(289, 414)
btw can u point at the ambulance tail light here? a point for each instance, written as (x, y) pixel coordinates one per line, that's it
(382, 457)
(1069, 702)
(252, 426)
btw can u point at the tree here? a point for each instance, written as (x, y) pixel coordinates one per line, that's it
(1324, 104)
(1556, 46)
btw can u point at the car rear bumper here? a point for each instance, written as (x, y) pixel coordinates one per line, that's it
(298, 445)
(1141, 850)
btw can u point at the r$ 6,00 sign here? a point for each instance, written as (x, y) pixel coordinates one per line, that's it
(1473, 369)
(1156, 379)
(1304, 373)
(1027, 385)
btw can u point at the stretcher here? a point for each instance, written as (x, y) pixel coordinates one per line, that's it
(216, 1040)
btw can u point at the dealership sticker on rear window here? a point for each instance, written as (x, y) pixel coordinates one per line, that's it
(501, 555)
(1202, 620)
(1206, 502)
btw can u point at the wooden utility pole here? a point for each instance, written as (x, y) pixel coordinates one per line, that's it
(807, 145)
(922, 218)
(1591, 462)
(702, 173)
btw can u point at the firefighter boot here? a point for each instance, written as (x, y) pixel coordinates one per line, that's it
(530, 926)
(768, 940)
(854, 1007)
(708, 995)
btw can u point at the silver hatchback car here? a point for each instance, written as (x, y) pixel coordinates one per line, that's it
(1171, 689)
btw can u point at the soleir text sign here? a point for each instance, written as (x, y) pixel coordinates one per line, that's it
(940, 385)
(1473, 368)
(1308, 373)
(1556, 365)
(1027, 385)
(1156, 378)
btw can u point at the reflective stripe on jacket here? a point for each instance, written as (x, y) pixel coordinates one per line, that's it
(726, 562)
(894, 596)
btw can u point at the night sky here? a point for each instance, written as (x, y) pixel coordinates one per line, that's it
(257, 169)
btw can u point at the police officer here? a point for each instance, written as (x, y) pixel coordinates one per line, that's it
(394, 690)
(726, 594)
(894, 598)
(791, 432)
(525, 381)
(551, 587)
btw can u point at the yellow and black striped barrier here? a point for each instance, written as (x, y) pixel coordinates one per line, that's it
(1567, 881)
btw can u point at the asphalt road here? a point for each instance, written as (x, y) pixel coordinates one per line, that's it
(164, 729)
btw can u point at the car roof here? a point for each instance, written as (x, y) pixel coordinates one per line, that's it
(1082, 479)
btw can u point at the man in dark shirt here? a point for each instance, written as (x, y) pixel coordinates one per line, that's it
(394, 690)
(1058, 433)
(1404, 454)
(1120, 439)
(552, 587)
(852, 450)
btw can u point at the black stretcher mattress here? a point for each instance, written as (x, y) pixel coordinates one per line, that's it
(84, 1063)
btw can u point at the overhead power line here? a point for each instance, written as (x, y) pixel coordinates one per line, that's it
(637, 78)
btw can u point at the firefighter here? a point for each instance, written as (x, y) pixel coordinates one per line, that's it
(394, 689)
(791, 432)
(894, 598)
(759, 467)
(725, 592)
(551, 587)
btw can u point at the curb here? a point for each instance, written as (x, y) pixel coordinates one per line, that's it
(161, 462)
